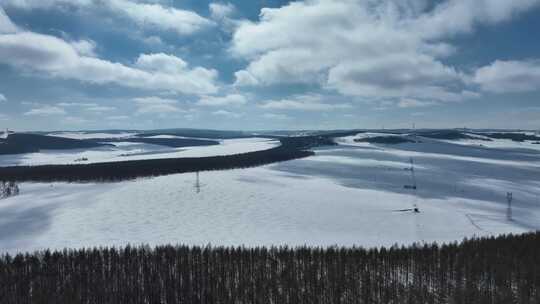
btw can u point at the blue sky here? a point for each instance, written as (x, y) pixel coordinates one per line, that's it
(313, 64)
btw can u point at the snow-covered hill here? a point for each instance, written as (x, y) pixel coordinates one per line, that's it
(349, 194)
(123, 151)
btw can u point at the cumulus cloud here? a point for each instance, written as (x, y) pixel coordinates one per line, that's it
(161, 62)
(244, 78)
(394, 76)
(146, 15)
(76, 104)
(231, 99)
(509, 76)
(2, 98)
(223, 14)
(156, 105)
(220, 11)
(6, 26)
(458, 16)
(370, 49)
(58, 58)
(46, 110)
(87, 106)
(46, 4)
(310, 102)
(156, 15)
(85, 47)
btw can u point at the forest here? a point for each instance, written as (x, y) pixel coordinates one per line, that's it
(503, 269)
(123, 170)
(167, 142)
(391, 140)
(290, 148)
(17, 143)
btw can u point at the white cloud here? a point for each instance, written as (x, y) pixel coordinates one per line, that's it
(156, 105)
(304, 103)
(2, 98)
(146, 15)
(76, 104)
(231, 99)
(85, 47)
(153, 41)
(46, 111)
(370, 49)
(458, 16)
(414, 103)
(244, 78)
(100, 109)
(509, 76)
(223, 14)
(398, 75)
(161, 62)
(155, 15)
(227, 114)
(220, 11)
(88, 106)
(46, 4)
(58, 58)
(6, 26)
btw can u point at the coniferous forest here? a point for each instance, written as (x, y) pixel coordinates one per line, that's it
(505, 269)
(123, 170)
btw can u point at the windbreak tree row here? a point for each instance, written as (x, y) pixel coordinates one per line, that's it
(123, 170)
(504, 269)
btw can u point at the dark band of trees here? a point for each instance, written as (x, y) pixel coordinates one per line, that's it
(115, 171)
(502, 270)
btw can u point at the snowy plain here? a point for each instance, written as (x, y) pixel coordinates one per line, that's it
(350, 194)
(125, 151)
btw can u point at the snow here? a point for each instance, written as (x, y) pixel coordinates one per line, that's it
(92, 135)
(349, 140)
(124, 151)
(344, 195)
(499, 143)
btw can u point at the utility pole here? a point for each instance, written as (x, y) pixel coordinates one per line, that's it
(197, 184)
(509, 198)
(413, 176)
(412, 186)
(415, 206)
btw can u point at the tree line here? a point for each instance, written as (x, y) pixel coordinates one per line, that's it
(8, 189)
(122, 170)
(504, 269)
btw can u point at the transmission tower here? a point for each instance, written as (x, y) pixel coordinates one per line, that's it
(197, 184)
(413, 186)
(413, 176)
(509, 198)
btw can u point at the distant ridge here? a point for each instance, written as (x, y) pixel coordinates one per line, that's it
(26, 143)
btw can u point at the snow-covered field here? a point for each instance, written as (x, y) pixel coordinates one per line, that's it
(500, 143)
(124, 151)
(92, 135)
(349, 194)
